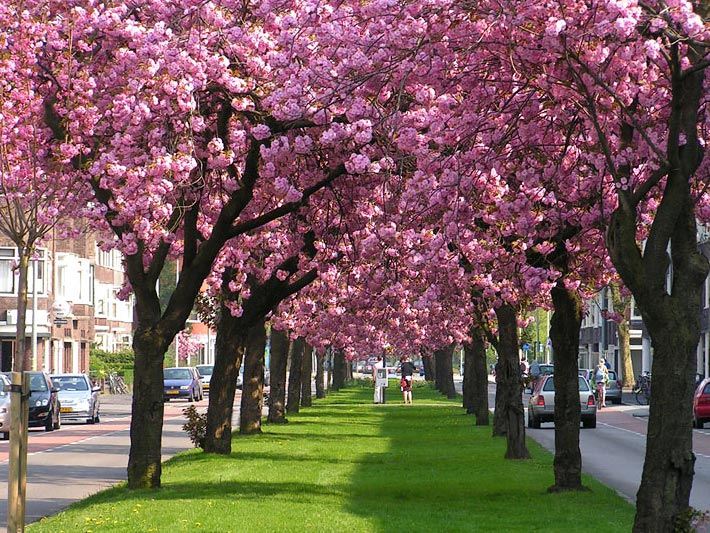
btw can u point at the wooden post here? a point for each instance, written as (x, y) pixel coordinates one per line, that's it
(17, 474)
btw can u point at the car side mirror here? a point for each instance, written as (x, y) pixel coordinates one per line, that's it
(54, 389)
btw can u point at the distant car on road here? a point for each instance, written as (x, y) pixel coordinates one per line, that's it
(44, 402)
(205, 376)
(181, 382)
(613, 386)
(701, 404)
(4, 407)
(78, 398)
(541, 406)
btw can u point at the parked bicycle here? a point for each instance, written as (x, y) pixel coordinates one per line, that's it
(642, 389)
(116, 385)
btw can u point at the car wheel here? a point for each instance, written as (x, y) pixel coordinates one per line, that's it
(49, 426)
(97, 418)
(58, 425)
(700, 424)
(191, 398)
(535, 422)
(589, 423)
(616, 401)
(530, 420)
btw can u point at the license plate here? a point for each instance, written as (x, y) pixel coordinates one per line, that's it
(173, 392)
(66, 410)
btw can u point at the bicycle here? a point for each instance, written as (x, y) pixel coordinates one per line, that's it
(642, 389)
(598, 394)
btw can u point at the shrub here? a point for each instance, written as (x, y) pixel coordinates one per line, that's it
(196, 426)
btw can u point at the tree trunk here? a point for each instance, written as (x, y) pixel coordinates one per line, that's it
(348, 370)
(320, 389)
(339, 370)
(429, 370)
(144, 460)
(622, 306)
(294, 376)
(277, 368)
(475, 378)
(253, 383)
(511, 384)
(564, 333)
(22, 360)
(445, 371)
(229, 348)
(307, 377)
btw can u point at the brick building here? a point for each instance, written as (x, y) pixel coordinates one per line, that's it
(75, 277)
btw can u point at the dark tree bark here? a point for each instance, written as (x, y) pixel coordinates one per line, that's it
(320, 388)
(277, 367)
(253, 385)
(445, 371)
(307, 376)
(509, 384)
(339, 370)
(564, 333)
(145, 461)
(475, 379)
(229, 349)
(293, 404)
(669, 310)
(429, 370)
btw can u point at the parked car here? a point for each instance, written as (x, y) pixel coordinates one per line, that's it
(4, 407)
(701, 404)
(613, 386)
(547, 369)
(181, 382)
(44, 402)
(205, 376)
(79, 399)
(541, 406)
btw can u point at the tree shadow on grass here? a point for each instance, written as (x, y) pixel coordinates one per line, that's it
(441, 473)
(223, 490)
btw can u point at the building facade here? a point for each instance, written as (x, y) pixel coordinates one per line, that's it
(598, 336)
(74, 305)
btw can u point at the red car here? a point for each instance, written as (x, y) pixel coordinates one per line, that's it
(701, 404)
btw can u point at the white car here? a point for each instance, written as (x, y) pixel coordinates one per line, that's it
(78, 399)
(541, 407)
(205, 376)
(4, 407)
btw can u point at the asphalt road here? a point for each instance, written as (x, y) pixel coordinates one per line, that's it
(69, 464)
(614, 451)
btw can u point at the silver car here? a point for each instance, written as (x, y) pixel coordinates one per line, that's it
(79, 400)
(205, 376)
(4, 407)
(541, 406)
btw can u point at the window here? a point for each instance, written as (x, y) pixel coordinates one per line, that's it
(550, 384)
(8, 276)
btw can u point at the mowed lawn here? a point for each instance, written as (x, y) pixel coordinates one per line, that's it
(347, 465)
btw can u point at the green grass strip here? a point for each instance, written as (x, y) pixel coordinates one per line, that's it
(348, 465)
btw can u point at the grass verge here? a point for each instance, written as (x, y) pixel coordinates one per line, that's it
(348, 465)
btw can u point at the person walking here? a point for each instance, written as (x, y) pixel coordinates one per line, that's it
(601, 376)
(407, 377)
(534, 374)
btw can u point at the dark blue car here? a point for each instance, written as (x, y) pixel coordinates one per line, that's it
(182, 382)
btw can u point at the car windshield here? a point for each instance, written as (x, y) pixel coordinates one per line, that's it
(70, 383)
(177, 373)
(546, 369)
(205, 370)
(38, 383)
(550, 384)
